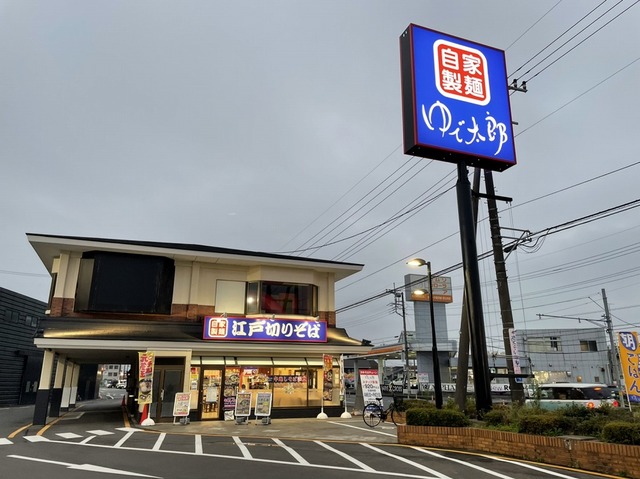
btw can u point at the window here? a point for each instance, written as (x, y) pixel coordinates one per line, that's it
(282, 298)
(544, 345)
(588, 346)
(125, 283)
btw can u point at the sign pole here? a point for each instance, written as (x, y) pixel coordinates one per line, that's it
(480, 359)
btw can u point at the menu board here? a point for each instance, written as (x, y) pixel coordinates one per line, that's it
(181, 404)
(263, 404)
(243, 404)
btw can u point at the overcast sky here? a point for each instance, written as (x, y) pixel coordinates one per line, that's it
(276, 126)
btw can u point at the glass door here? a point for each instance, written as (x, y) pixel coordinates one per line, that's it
(210, 393)
(167, 381)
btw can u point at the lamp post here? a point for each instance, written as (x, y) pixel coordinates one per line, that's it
(437, 381)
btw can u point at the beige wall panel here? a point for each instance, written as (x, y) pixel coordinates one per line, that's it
(208, 278)
(182, 283)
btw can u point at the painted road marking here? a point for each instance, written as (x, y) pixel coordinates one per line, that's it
(365, 429)
(159, 441)
(458, 461)
(100, 432)
(83, 467)
(406, 461)
(291, 451)
(124, 439)
(68, 435)
(353, 460)
(36, 438)
(198, 440)
(245, 451)
(4, 442)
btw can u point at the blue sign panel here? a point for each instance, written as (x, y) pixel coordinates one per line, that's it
(262, 329)
(455, 100)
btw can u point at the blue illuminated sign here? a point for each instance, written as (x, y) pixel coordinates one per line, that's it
(455, 100)
(262, 329)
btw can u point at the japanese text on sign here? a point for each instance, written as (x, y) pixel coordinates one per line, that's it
(257, 329)
(461, 72)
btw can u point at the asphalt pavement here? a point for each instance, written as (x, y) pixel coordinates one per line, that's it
(105, 413)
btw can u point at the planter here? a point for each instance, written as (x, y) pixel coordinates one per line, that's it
(567, 451)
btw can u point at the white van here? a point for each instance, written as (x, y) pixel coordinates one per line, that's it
(589, 395)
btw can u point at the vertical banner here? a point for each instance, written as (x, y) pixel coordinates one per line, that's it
(327, 369)
(515, 355)
(145, 375)
(629, 359)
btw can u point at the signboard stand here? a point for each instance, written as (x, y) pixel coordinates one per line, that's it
(243, 408)
(181, 406)
(263, 407)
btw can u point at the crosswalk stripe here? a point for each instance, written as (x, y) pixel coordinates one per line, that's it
(198, 440)
(291, 451)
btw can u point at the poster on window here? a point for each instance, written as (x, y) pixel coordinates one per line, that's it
(145, 383)
(370, 383)
(327, 369)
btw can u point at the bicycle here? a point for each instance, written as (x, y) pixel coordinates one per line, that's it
(373, 413)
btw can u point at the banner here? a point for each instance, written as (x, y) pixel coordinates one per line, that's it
(145, 375)
(630, 360)
(327, 369)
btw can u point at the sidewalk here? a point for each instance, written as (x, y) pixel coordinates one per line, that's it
(332, 429)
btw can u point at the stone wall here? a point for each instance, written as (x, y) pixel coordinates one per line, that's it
(560, 451)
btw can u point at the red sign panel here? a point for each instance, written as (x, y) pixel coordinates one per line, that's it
(461, 72)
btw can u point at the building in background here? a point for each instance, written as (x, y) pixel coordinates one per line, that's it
(20, 359)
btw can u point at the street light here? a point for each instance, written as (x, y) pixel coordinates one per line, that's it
(437, 382)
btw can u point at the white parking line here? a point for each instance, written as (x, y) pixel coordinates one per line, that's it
(368, 429)
(291, 451)
(86, 440)
(353, 460)
(124, 439)
(464, 463)
(245, 451)
(407, 461)
(159, 441)
(529, 466)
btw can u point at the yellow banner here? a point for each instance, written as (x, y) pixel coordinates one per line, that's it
(145, 375)
(630, 361)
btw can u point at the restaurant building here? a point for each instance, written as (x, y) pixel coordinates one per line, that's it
(209, 321)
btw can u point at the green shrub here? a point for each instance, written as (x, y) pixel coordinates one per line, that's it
(497, 417)
(417, 404)
(546, 424)
(436, 417)
(621, 432)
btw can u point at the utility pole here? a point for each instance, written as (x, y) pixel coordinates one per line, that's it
(615, 365)
(517, 390)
